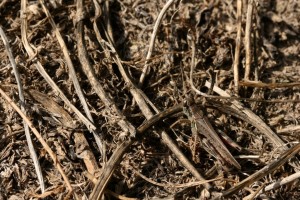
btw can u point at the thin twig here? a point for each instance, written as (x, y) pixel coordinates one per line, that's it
(152, 40)
(282, 182)
(283, 158)
(253, 195)
(3, 3)
(66, 54)
(260, 124)
(228, 97)
(182, 158)
(259, 84)
(248, 39)
(293, 128)
(107, 172)
(22, 103)
(40, 138)
(107, 22)
(237, 46)
(136, 93)
(159, 117)
(174, 185)
(90, 73)
(139, 98)
(83, 58)
(40, 68)
(87, 155)
(120, 151)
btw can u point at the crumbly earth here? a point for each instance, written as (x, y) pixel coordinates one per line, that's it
(148, 169)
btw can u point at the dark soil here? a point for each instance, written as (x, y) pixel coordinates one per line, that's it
(148, 168)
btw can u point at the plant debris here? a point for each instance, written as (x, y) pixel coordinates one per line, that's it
(106, 86)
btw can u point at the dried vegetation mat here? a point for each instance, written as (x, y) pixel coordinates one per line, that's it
(149, 99)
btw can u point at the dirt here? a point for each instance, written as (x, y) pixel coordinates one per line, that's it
(192, 34)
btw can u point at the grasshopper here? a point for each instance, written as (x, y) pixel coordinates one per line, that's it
(214, 144)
